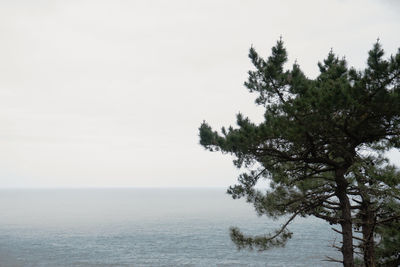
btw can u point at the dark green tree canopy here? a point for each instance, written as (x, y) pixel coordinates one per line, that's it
(318, 121)
(315, 133)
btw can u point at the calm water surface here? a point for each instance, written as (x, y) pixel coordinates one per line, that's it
(145, 227)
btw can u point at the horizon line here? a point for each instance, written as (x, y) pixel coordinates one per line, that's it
(112, 187)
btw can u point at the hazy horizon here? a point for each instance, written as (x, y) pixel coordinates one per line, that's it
(144, 228)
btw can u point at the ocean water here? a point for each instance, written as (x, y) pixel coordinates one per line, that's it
(145, 227)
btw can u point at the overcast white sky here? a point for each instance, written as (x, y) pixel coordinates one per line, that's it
(111, 93)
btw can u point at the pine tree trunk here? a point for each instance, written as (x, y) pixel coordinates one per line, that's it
(369, 250)
(346, 223)
(368, 217)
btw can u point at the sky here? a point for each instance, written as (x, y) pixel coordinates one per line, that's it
(111, 93)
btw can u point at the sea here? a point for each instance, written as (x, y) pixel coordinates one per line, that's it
(146, 227)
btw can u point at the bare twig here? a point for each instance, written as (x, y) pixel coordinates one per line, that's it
(332, 259)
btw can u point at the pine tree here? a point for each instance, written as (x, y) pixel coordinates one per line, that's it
(388, 249)
(375, 190)
(315, 133)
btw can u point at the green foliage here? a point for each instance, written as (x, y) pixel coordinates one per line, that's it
(261, 242)
(388, 251)
(320, 145)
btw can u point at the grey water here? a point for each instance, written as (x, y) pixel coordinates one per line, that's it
(146, 227)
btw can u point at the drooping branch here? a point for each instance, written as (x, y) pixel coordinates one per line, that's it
(262, 242)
